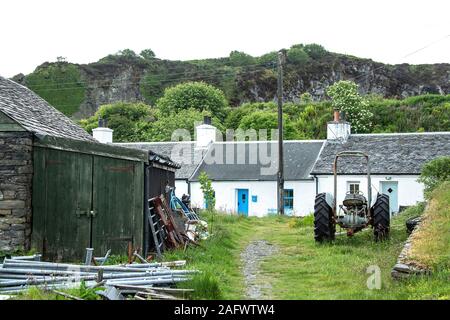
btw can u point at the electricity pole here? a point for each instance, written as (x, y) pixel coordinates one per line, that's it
(280, 180)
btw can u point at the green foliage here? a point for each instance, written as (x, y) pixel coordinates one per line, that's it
(208, 191)
(268, 120)
(205, 286)
(315, 51)
(306, 97)
(240, 59)
(345, 98)
(434, 173)
(60, 84)
(299, 222)
(147, 54)
(164, 125)
(122, 117)
(297, 55)
(268, 58)
(196, 95)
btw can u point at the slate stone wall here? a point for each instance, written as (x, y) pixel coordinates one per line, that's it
(16, 171)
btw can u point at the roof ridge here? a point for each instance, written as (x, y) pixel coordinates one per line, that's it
(399, 134)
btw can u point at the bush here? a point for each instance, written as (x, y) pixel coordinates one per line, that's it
(122, 118)
(240, 59)
(297, 55)
(345, 97)
(196, 95)
(434, 173)
(315, 51)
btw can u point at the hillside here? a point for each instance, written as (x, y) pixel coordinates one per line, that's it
(79, 89)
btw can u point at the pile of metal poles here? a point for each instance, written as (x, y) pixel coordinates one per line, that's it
(17, 275)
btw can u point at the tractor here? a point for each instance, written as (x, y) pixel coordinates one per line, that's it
(354, 213)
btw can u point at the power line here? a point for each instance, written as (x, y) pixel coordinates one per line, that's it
(140, 82)
(201, 71)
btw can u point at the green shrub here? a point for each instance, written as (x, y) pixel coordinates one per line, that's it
(315, 51)
(434, 173)
(196, 95)
(297, 56)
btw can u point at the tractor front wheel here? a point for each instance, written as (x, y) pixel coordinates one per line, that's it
(381, 217)
(324, 227)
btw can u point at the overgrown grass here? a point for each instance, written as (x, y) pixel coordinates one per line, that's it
(430, 245)
(303, 269)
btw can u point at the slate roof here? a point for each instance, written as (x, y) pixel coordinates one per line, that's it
(183, 153)
(397, 153)
(35, 115)
(258, 161)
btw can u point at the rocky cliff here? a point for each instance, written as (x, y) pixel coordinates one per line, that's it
(78, 90)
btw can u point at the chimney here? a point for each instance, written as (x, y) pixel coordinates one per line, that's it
(103, 134)
(338, 129)
(205, 133)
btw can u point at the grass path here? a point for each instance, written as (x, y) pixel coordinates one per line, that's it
(302, 269)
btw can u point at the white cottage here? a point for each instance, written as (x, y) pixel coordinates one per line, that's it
(244, 174)
(396, 160)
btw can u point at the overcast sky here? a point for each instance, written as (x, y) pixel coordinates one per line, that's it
(390, 31)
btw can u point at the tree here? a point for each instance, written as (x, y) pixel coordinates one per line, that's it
(147, 54)
(297, 55)
(315, 51)
(268, 120)
(434, 173)
(268, 58)
(239, 59)
(209, 194)
(127, 53)
(122, 118)
(196, 95)
(164, 126)
(345, 98)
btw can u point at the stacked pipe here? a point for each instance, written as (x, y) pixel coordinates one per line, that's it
(17, 275)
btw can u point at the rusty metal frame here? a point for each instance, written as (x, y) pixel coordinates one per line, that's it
(343, 154)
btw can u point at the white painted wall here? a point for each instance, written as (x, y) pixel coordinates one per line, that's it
(409, 190)
(181, 187)
(266, 192)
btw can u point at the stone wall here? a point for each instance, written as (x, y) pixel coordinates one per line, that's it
(16, 171)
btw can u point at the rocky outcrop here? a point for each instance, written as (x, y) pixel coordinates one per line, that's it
(16, 170)
(135, 79)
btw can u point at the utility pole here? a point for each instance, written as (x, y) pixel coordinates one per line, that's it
(280, 184)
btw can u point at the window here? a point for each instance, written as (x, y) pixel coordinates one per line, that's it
(353, 187)
(288, 200)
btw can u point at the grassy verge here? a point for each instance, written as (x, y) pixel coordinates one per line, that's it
(303, 269)
(430, 245)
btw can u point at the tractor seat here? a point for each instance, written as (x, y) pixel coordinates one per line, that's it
(354, 199)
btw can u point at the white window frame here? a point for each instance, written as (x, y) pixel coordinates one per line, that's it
(350, 183)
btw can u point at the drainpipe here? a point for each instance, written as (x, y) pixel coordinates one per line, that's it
(189, 186)
(317, 184)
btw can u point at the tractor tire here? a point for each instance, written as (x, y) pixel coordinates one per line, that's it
(381, 217)
(324, 226)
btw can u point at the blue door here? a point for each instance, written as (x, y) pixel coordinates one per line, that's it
(391, 189)
(242, 195)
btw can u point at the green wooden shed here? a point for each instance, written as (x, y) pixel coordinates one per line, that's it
(66, 191)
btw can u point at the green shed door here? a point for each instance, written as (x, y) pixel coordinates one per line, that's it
(118, 205)
(62, 202)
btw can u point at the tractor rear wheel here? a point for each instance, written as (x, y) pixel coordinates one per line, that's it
(381, 217)
(324, 227)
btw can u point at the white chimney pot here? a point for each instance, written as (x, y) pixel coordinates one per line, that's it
(205, 134)
(103, 135)
(338, 130)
